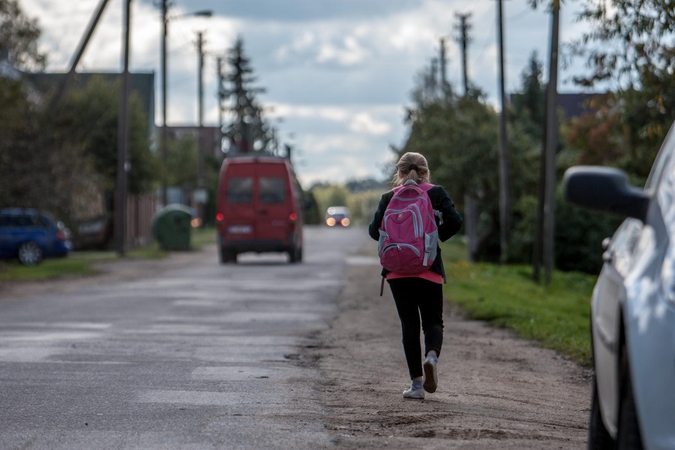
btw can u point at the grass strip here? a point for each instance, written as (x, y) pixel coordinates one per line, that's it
(555, 316)
(48, 269)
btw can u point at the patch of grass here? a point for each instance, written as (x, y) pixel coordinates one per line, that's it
(76, 263)
(556, 316)
(49, 268)
(203, 236)
(152, 251)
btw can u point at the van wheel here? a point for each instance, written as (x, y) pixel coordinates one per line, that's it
(227, 256)
(294, 255)
(30, 254)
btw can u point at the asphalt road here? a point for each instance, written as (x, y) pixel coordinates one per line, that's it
(205, 356)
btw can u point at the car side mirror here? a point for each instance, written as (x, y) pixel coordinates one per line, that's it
(604, 189)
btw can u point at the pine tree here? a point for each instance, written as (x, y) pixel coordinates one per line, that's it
(249, 131)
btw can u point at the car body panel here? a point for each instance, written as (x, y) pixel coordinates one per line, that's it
(650, 319)
(19, 225)
(634, 301)
(259, 205)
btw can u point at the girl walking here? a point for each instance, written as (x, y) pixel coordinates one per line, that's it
(420, 295)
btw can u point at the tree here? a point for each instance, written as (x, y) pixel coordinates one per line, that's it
(630, 45)
(19, 37)
(528, 104)
(458, 136)
(39, 171)
(88, 117)
(249, 131)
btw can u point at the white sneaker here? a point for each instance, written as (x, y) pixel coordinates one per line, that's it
(430, 374)
(414, 393)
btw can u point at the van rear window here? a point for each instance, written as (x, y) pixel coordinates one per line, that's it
(272, 190)
(240, 190)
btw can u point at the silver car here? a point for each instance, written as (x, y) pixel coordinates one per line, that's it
(633, 306)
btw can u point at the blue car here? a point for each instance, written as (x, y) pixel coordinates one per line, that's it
(31, 235)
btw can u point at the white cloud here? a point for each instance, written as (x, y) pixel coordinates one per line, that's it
(365, 123)
(350, 53)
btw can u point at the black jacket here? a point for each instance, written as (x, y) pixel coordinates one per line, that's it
(440, 202)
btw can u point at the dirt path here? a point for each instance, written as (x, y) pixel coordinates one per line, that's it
(495, 391)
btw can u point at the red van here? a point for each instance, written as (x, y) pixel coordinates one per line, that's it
(258, 208)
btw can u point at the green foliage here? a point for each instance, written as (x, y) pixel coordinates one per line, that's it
(19, 37)
(313, 215)
(630, 43)
(556, 316)
(362, 205)
(181, 164)
(331, 195)
(88, 117)
(38, 171)
(578, 237)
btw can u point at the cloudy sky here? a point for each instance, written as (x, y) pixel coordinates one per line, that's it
(338, 73)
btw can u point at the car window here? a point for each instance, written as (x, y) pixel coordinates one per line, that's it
(240, 190)
(44, 222)
(23, 221)
(4, 221)
(271, 190)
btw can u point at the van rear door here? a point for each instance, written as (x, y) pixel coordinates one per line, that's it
(272, 202)
(240, 210)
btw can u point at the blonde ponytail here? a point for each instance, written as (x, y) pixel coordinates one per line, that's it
(411, 166)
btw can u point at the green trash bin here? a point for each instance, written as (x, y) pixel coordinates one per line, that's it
(171, 227)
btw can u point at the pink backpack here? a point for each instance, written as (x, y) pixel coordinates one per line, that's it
(408, 234)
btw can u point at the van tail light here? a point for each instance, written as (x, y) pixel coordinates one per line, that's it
(220, 217)
(61, 236)
(293, 217)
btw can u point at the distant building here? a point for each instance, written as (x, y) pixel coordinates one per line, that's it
(571, 104)
(210, 137)
(575, 104)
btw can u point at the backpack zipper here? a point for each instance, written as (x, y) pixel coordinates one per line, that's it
(398, 246)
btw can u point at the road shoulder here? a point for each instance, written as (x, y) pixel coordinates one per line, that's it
(495, 390)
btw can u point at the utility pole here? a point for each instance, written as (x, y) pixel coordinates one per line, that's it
(200, 142)
(123, 138)
(470, 207)
(221, 80)
(433, 78)
(463, 40)
(443, 63)
(164, 141)
(551, 144)
(504, 203)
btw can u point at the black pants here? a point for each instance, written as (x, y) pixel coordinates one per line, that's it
(417, 297)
